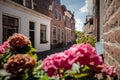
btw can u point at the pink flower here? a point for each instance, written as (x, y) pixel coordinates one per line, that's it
(72, 54)
(2, 50)
(18, 40)
(96, 60)
(84, 54)
(17, 64)
(86, 49)
(56, 62)
(5, 44)
(108, 70)
(2, 47)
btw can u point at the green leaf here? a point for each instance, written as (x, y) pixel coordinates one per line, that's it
(85, 68)
(4, 58)
(34, 55)
(84, 39)
(45, 77)
(80, 75)
(25, 49)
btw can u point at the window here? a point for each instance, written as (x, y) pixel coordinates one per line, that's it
(56, 14)
(58, 2)
(58, 35)
(62, 36)
(29, 3)
(60, 17)
(31, 32)
(54, 35)
(10, 26)
(18, 1)
(43, 34)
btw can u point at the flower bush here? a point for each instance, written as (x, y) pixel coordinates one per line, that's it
(16, 57)
(84, 55)
(18, 61)
(86, 39)
(18, 40)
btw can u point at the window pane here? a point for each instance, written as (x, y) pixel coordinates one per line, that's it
(62, 36)
(10, 21)
(58, 35)
(28, 3)
(54, 33)
(32, 37)
(10, 26)
(43, 27)
(56, 14)
(18, 1)
(31, 32)
(43, 34)
(31, 25)
(60, 17)
(10, 32)
(58, 2)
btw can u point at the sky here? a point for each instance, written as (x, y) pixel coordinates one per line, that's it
(79, 7)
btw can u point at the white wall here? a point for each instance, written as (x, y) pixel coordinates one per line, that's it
(99, 45)
(0, 26)
(101, 19)
(24, 18)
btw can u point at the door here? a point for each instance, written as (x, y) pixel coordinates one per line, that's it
(32, 32)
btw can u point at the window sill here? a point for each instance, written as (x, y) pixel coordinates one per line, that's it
(43, 42)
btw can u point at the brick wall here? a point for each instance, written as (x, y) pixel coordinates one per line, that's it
(111, 33)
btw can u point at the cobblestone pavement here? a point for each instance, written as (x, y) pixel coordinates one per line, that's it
(44, 54)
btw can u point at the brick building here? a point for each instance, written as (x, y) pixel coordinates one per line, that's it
(57, 23)
(69, 27)
(94, 19)
(111, 33)
(106, 21)
(88, 27)
(62, 25)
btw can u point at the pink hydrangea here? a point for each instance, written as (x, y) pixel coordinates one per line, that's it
(108, 70)
(2, 50)
(85, 54)
(17, 64)
(5, 44)
(2, 47)
(96, 60)
(86, 49)
(55, 62)
(18, 40)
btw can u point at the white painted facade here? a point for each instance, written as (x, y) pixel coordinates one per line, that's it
(68, 35)
(90, 7)
(25, 15)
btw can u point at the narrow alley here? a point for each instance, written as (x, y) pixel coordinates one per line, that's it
(44, 54)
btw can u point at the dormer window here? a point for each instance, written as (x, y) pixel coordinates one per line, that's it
(29, 3)
(26, 3)
(58, 2)
(60, 17)
(56, 14)
(18, 1)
